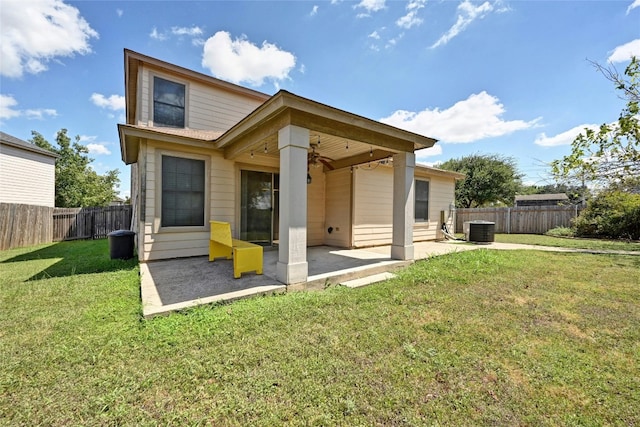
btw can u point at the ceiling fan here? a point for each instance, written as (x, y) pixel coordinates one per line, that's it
(315, 159)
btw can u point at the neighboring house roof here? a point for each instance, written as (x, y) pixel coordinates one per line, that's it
(535, 197)
(18, 143)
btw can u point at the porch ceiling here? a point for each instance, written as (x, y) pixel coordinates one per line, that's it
(345, 138)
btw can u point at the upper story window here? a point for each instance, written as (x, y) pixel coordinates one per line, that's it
(168, 103)
(422, 201)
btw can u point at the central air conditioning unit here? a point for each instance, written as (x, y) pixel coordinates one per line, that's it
(479, 231)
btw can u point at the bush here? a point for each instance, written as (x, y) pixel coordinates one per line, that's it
(561, 232)
(611, 214)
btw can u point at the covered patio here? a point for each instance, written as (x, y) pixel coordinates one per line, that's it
(177, 284)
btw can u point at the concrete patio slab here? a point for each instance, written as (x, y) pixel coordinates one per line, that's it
(177, 284)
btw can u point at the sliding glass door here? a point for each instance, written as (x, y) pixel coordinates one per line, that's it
(259, 203)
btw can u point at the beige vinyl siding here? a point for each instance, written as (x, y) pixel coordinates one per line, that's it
(163, 243)
(373, 209)
(207, 108)
(26, 177)
(338, 208)
(441, 197)
(315, 208)
(373, 206)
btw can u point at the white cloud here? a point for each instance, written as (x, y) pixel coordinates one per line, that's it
(374, 35)
(624, 52)
(467, 13)
(98, 149)
(6, 107)
(421, 155)
(155, 34)
(186, 31)
(240, 60)
(35, 32)
(564, 138)
(369, 6)
(314, 11)
(475, 118)
(411, 18)
(7, 110)
(392, 42)
(39, 113)
(114, 102)
(633, 5)
(119, 12)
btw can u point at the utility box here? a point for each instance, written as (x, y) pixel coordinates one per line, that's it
(479, 231)
(121, 244)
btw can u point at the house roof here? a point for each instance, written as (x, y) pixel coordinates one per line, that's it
(554, 196)
(133, 61)
(441, 172)
(365, 139)
(7, 139)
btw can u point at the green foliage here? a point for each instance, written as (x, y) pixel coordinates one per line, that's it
(561, 232)
(613, 214)
(490, 179)
(610, 154)
(77, 184)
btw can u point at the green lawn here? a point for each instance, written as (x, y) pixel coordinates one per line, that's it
(591, 244)
(474, 338)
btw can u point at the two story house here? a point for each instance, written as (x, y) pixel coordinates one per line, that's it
(283, 170)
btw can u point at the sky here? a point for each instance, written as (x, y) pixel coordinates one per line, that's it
(508, 77)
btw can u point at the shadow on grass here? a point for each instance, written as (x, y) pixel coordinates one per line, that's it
(74, 257)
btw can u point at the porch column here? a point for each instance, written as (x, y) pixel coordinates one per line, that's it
(403, 206)
(292, 267)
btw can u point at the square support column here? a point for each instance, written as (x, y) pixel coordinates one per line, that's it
(292, 267)
(404, 165)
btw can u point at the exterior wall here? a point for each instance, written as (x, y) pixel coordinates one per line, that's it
(316, 208)
(157, 242)
(373, 206)
(26, 177)
(207, 108)
(338, 208)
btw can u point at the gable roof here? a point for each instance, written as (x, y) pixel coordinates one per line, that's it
(133, 61)
(7, 139)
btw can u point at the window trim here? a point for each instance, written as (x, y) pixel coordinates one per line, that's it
(422, 220)
(171, 79)
(158, 227)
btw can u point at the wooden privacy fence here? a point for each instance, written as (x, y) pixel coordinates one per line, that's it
(27, 225)
(520, 220)
(24, 225)
(89, 223)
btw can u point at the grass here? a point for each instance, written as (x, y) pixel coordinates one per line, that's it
(472, 338)
(576, 243)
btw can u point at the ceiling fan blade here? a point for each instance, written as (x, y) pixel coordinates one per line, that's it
(327, 164)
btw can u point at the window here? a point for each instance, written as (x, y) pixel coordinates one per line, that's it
(168, 103)
(182, 192)
(422, 201)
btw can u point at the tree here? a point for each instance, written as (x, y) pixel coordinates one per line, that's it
(489, 179)
(611, 154)
(77, 184)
